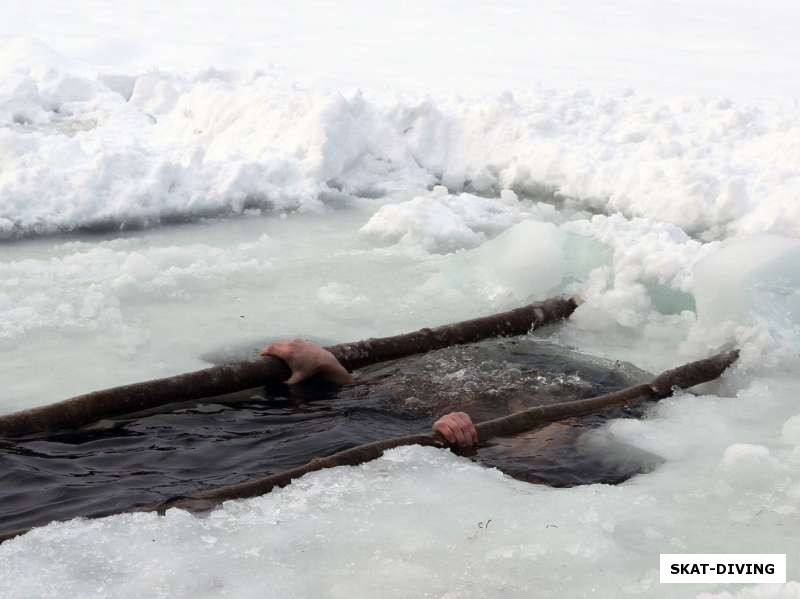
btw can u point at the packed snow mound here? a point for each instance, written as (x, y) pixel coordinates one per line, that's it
(81, 149)
(439, 222)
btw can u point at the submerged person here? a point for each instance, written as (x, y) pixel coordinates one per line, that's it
(494, 391)
(306, 360)
(274, 428)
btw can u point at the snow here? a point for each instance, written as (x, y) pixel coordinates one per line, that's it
(714, 47)
(443, 223)
(78, 153)
(175, 180)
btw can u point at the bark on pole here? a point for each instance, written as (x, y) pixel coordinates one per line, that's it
(228, 378)
(682, 377)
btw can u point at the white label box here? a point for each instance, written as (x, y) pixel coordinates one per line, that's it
(750, 568)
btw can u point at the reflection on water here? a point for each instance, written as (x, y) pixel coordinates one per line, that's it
(148, 458)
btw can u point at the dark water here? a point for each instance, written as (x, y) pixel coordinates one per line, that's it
(141, 460)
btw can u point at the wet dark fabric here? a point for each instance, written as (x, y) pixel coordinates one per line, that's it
(148, 458)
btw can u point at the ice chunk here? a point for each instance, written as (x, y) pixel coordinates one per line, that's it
(747, 465)
(791, 430)
(442, 223)
(749, 280)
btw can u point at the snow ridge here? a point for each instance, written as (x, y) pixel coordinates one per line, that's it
(81, 150)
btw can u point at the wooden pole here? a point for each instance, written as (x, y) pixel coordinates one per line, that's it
(228, 378)
(682, 377)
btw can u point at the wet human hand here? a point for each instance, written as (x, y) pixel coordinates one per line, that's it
(307, 359)
(457, 428)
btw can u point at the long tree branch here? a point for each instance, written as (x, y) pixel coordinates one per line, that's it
(228, 378)
(682, 377)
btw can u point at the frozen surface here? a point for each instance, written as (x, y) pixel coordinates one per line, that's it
(170, 191)
(708, 47)
(147, 305)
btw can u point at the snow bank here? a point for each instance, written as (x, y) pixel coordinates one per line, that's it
(178, 148)
(83, 150)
